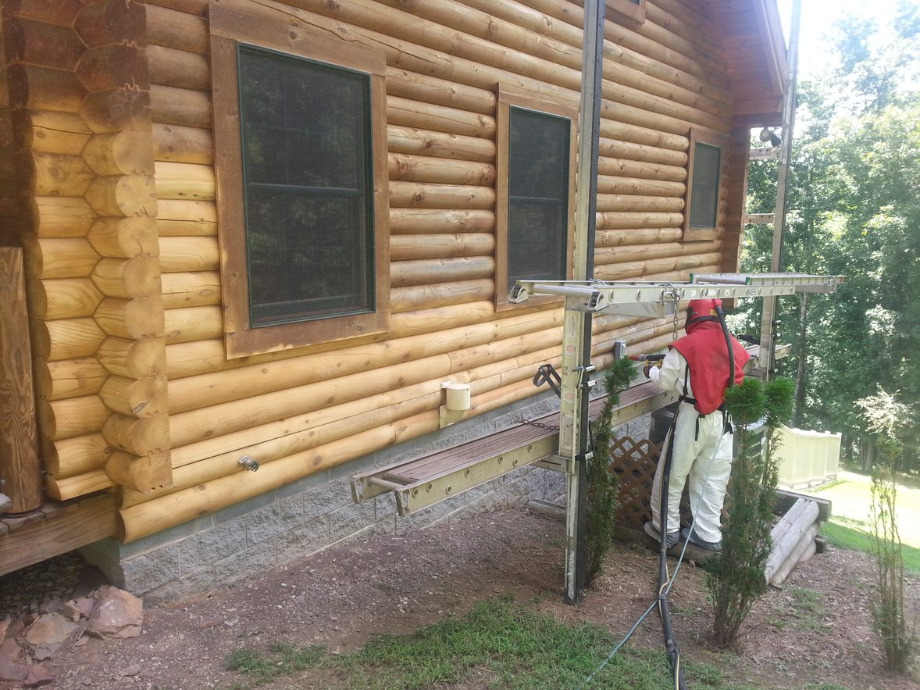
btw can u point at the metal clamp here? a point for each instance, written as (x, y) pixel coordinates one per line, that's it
(547, 374)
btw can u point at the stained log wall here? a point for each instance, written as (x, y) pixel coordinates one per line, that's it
(135, 388)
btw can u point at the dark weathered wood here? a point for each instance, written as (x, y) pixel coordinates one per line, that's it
(20, 464)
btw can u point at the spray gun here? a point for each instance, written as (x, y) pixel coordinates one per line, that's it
(653, 360)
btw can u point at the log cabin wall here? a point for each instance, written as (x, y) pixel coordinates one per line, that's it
(137, 387)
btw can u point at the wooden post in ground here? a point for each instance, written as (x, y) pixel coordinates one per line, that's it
(20, 465)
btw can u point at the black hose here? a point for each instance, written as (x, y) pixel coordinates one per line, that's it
(728, 343)
(664, 610)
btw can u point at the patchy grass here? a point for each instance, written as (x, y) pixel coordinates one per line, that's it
(847, 535)
(499, 644)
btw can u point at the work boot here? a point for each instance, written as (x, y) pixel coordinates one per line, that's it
(653, 532)
(694, 538)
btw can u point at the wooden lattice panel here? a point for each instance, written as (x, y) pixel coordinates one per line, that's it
(634, 462)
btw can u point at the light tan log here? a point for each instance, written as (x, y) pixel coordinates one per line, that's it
(422, 221)
(197, 425)
(142, 474)
(787, 532)
(76, 417)
(438, 118)
(78, 455)
(189, 254)
(607, 184)
(606, 256)
(633, 236)
(441, 295)
(72, 378)
(63, 217)
(615, 221)
(425, 89)
(122, 153)
(133, 358)
(175, 29)
(65, 489)
(193, 323)
(71, 339)
(407, 247)
(190, 289)
(70, 298)
(132, 319)
(644, 153)
(185, 181)
(135, 397)
(414, 195)
(66, 258)
(427, 169)
(128, 278)
(439, 145)
(425, 321)
(183, 144)
(622, 167)
(432, 271)
(642, 269)
(199, 219)
(174, 106)
(56, 132)
(609, 203)
(178, 68)
(805, 545)
(60, 175)
(137, 436)
(123, 195)
(124, 237)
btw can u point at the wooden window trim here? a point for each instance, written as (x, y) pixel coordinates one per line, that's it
(721, 141)
(505, 99)
(240, 338)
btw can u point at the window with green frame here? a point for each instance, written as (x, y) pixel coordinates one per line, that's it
(704, 172)
(308, 186)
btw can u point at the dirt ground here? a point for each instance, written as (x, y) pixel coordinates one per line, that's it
(348, 594)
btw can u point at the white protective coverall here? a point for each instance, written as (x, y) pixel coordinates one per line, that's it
(703, 453)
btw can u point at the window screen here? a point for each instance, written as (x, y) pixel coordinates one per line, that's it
(704, 195)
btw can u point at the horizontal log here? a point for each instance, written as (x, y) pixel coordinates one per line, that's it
(424, 142)
(406, 113)
(123, 195)
(615, 221)
(427, 321)
(632, 236)
(128, 278)
(621, 123)
(193, 323)
(61, 217)
(642, 269)
(66, 258)
(423, 221)
(432, 271)
(135, 397)
(612, 255)
(70, 298)
(124, 237)
(67, 489)
(179, 144)
(185, 181)
(190, 289)
(60, 175)
(71, 378)
(121, 153)
(58, 12)
(133, 358)
(149, 435)
(176, 29)
(48, 89)
(608, 184)
(57, 132)
(76, 417)
(186, 218)
(428, 297)
(407, 247)
(198, 8)
(178, 68)
(419, 87)
(42, 43)
(143, 474)
(447, 196)
(189, 254)
(78, 455)
(645, 153)
(641, 170)
(175, 106)
(132, 319)
(71, 339)
(427, 169)
(608, 203)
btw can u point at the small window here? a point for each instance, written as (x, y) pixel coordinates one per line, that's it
(300, 149)
(705, 170)
(535, 194)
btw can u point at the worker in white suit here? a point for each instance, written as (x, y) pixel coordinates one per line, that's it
(696, 368)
